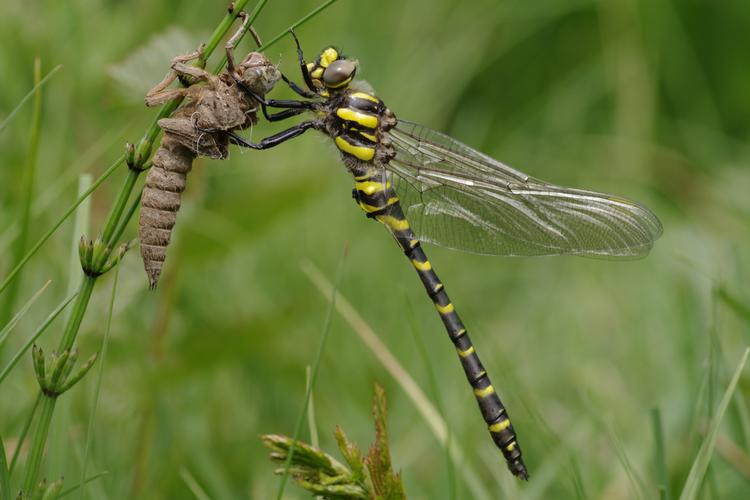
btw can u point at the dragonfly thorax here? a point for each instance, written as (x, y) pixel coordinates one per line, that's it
(357, 122)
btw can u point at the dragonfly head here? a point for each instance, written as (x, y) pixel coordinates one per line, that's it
(332, 71)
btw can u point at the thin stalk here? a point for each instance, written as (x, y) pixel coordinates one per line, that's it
(31, 92)
(313, 375)
(311, 422)
(22, 436)
(88, 480)
(113, 221)
(40, 329)
(29, 175)
(252, 16)
(16, 318)
(34, 462)
(76, 315)
(99, 376)
(662, 479)
(128, 215)
(59, 222)
(295, 25)
(4, 474)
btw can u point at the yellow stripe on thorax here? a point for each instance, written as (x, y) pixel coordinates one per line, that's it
(350, 115)
(370, 137)
(363, 95)
(362, 152)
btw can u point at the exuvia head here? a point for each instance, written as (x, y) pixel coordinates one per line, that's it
(258, 73)
(332, 70)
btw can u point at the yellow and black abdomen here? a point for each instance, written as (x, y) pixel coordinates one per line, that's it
(360, 118)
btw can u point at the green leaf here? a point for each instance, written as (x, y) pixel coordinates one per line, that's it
(4, 474)
(703, 458)
(660, 461)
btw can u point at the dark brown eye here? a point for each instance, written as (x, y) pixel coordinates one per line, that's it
(339, 73)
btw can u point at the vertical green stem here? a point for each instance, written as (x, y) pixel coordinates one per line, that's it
(22, 436)
(110, 231)
(34, 462)
(116, 213)
(76, 315)
(29, 176)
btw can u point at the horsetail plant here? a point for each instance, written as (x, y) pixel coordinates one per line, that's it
(97, 257)
(367, 476)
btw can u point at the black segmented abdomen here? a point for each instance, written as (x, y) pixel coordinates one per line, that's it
(377, 198)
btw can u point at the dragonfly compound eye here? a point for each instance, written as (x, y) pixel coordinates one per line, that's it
(339, 73)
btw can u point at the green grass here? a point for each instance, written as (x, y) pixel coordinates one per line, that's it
(643, 99)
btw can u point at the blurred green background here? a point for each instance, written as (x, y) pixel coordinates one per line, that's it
(645, 99)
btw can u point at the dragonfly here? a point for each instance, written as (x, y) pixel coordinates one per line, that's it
(425, 186)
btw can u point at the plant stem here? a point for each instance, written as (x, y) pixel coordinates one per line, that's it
(11, 276)
(76, 315)
(28, 189)
(113, 221)
(34, 462)
(22, 436)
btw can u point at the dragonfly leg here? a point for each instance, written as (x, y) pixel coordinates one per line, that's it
(303, 66)
(268, 142)
(375, 195)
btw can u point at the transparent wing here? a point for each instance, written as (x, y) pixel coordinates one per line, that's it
(457, 197)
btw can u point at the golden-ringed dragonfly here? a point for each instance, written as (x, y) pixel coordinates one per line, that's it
(427, 187)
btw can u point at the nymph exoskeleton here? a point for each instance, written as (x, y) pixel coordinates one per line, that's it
(216, 102)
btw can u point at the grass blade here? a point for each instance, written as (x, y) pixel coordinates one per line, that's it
(59, 222)
(660, 461)
(37, 86)
(81, 224)
(35, 335)
(193, 485)
(24, 432)
(88, 480)
(311, 422)
(314, 373)
(428, 411)
(703, 458)
(21, 312)
(27, 196)
(4, 474)
(298, 23)
(99, 376)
